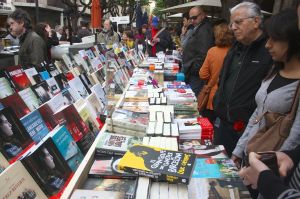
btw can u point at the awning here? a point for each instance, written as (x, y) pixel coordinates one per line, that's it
(178, 15)
(187, 6)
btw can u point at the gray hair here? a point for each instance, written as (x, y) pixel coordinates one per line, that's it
(252, 9)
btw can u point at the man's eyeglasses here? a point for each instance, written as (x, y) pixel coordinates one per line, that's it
(195, 17)
(239, 21)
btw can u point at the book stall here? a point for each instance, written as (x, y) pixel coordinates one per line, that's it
(108, 123)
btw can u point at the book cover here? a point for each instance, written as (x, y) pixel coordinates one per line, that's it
(3, 163)
(115, 144)
(100, 94)
(35, 126)
(89, 118)
(77, 86)
(30, 72)
(47, 115)
(5, 88)
(107, 167)
(225, 188)
(58, 101)
(159, 164)
(48, 168)
(17, 104)
(91, 194)
(43, 91)
(86, 82)
(30, 99)
(86, 142)
(16, 182)
(95, 104)
(189, 125)
(202, 151)
(67, 147)
(69, 116)
(62, 81)
(14, 139)
(44, 74)
(215, 168)
(54, 88)
(120, 185)
(51, 68)
(18, 77)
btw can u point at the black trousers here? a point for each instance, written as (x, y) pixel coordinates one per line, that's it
(225, 135)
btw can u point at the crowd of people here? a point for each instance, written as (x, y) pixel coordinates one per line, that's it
(251, 65)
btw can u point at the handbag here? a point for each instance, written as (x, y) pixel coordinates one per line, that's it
(203, 95)
(276, 130)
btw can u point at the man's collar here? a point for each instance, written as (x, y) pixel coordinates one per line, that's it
(22, 37)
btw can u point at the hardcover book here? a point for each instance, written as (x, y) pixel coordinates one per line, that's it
(16, 103)
(159, 164)
(14, 139)
(35, 126)
(215, 168)
(117, 185)
(30, 99)
(43, 91)
(115, 144)
(18, 77)
(48, 168)
(107, 167)
(69, 116)
(67, 147)
(16, 182)
(5, 88)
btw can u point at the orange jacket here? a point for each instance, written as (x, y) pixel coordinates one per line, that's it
(212, 65)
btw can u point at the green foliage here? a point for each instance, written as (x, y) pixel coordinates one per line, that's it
(160, 4)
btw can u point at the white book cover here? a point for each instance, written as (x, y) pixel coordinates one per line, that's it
(54, 88)
(100, 93)
(189, 125)
(29, 73)
(30, 99)
(77, 86)
(5, 89)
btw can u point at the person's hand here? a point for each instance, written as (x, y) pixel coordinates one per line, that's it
(250, 174)
(285, 163)
(237, 161)
(183, 30)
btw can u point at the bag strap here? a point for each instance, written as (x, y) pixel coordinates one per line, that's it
(158, 33)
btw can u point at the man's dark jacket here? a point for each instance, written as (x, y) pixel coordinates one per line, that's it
(240, 104)
(195, 50)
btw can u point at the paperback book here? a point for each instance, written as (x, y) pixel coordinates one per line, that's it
(126, 186)
(77, 86)
(35, 126)
(18, 77)
(48, 168)
(107, 167)
(16, 182)
(91, 194)
(43, 91)
(14, 139)
(30, 99)
(159, 164)
(5, 88)
(115, 144)
(3, 163)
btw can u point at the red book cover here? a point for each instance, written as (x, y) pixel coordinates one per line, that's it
(69, 116)
(47, 115)
(18, 77)
(17, 104)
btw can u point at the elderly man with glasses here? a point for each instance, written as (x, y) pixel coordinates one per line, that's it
(245, 66)
(196, 46)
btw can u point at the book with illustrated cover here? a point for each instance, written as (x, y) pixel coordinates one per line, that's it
(17, 104)
(43, 91)
(126, 186)
(189, 128)
(202, 151)
(67, 147)
(85, 112)
(5, 88)
(100, 94)
(62, 81)
(95, 104)
(16, 182)
(18, 77)
(85, 80)
(86, 142)
(14, 139)
(69, 116)
(30, 72)
(35, 126)
(159, 164)
(47, 115)
(57, 102)
(48, 168)
(98, 76)
(133, 96)
(107, 167)
(225, 188)
(215, 168)
(115, 144)
(30, 99)
(3, 163)
(44, 75)
(91, 194)
(51, 68)
(54, 88)
(77, 86)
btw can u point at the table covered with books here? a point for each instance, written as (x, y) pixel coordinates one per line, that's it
(112, 124)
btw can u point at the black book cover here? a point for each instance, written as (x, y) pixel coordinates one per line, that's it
(43, 91)
(14, 139)
(62, 81)
(48, 168)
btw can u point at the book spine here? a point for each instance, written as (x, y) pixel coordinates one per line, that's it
(111, 176)
(101, 152)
